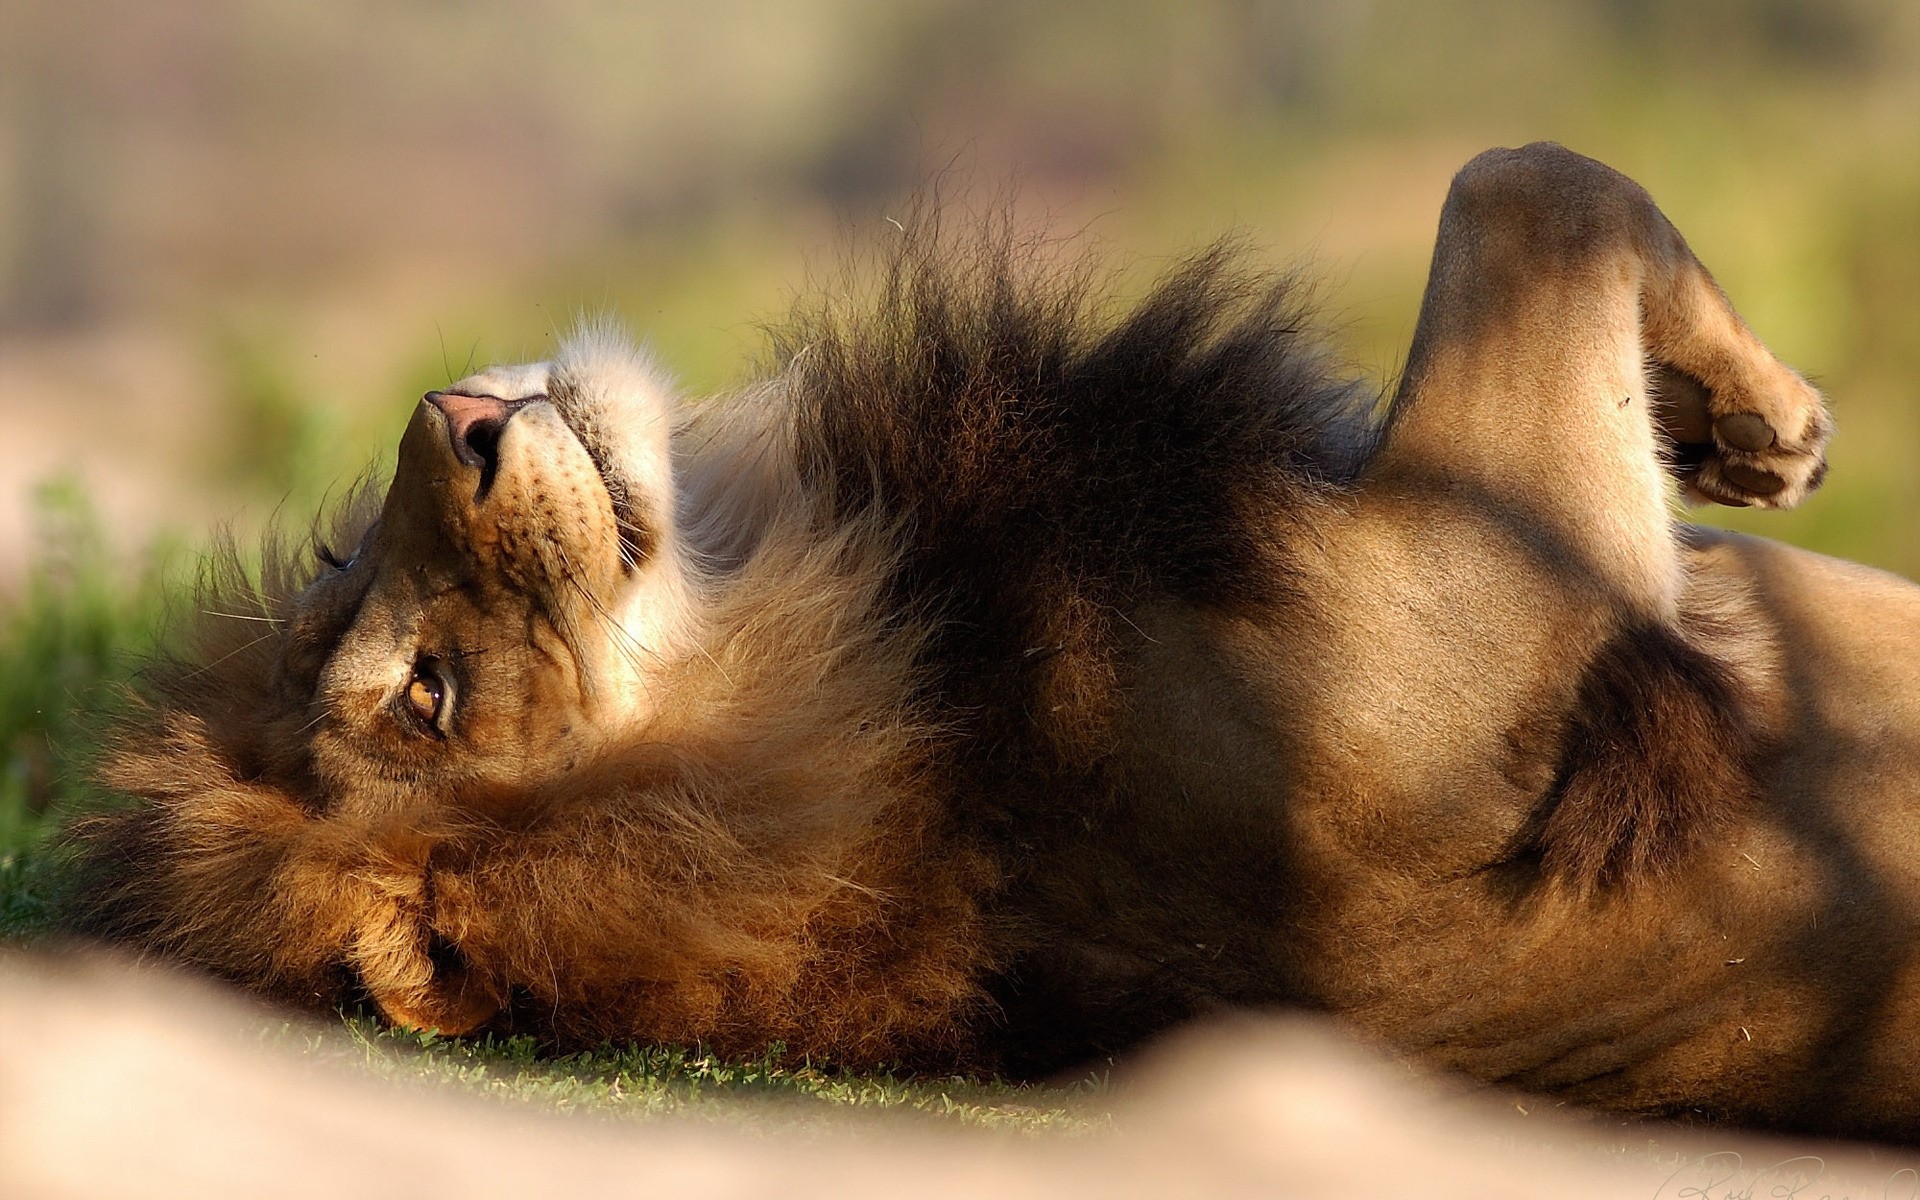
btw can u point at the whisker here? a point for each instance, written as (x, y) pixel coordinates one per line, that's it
(626, 638)
(708, 655)
(862, 888)
(623, 638)
(240, 649)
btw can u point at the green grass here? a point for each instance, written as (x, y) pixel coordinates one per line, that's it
(71, 635)
(634, 1081)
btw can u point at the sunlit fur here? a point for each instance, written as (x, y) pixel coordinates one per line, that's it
(725, 874)
(876, 650)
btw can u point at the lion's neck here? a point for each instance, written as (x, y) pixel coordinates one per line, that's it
(732, 480)
(659, 623)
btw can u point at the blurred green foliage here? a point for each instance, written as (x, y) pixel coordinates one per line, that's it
(278, 438)
(69, 637)
(688, 166)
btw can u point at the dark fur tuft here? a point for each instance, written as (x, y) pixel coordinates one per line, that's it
(217, 708)
(1658, 755)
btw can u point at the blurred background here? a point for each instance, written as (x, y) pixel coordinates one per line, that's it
(238, 239)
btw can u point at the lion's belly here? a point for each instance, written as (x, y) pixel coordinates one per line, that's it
(1773, 977)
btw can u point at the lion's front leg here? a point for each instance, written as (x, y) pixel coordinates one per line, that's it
(1521, 653)
(1571, 353)
(1746, 428)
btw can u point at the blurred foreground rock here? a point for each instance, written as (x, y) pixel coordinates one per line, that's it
(121, 1084)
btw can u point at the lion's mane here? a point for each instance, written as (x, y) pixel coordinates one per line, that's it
(970, 475)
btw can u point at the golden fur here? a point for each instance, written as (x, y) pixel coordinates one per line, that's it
(1006, 678)
(720, 879)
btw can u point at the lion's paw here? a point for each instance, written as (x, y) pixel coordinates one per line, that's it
(1760, 443)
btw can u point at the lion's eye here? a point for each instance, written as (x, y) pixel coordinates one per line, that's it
(427, 694)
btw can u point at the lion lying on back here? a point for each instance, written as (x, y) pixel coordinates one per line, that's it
(1003, 680)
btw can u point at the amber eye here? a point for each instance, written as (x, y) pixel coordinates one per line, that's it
(426, 694)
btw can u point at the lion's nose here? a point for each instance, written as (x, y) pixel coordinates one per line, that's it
(474, 424)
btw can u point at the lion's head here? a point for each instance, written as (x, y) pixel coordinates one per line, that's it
(499, 622)
(519, 751)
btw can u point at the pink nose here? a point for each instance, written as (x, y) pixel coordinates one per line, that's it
(474, 424)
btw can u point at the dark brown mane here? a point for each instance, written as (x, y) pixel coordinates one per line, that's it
(1059, 457)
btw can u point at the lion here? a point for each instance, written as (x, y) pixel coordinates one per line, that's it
(1008, 676)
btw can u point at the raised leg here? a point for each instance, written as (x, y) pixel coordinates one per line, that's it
(1558, 686)
(1556, 767)
(1571, 353)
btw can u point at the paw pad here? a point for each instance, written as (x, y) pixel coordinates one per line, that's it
(1746, 443)
(1752, 479)
(1747, 431)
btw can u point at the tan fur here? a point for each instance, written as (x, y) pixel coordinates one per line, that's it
(719, 879)
(1017, 681)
